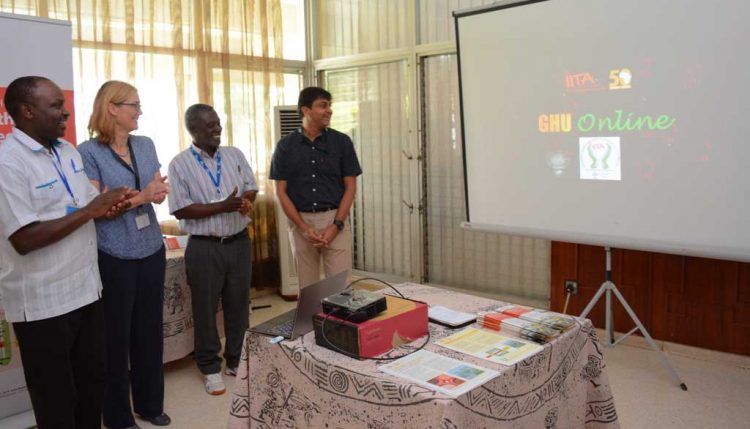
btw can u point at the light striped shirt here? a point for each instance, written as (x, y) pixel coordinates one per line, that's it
(190, 183)
(63, 276)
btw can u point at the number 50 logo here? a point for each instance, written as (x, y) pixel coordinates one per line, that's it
(620, 78)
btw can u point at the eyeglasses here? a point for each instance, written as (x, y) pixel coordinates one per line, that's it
(136, 105)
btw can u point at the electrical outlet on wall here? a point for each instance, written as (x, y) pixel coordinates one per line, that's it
(571, 287)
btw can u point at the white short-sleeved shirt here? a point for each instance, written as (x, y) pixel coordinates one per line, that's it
(63, 276)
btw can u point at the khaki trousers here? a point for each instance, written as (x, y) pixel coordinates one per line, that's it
(336, 257)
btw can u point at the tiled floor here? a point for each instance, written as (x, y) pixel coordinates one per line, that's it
(647, 396)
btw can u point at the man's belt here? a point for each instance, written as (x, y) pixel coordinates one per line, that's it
(319, 210)
(221, 240)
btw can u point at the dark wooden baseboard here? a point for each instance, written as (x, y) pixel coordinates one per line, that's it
(694, 301)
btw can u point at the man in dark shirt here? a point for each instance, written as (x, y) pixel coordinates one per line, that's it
(316, 169)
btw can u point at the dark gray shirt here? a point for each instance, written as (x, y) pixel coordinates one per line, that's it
(315, 171)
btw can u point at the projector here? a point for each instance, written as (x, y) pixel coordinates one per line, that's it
(354, 305)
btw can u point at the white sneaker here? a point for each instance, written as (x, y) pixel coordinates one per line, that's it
(231, 371)
(215, 384)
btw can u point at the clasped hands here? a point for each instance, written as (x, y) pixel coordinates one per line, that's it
(242, 204)
(121, 199)
(110, 204)
(321, 238)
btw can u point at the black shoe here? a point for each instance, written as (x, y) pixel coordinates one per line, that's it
(162, 420)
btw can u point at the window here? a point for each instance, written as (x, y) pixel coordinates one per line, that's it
(243, 57)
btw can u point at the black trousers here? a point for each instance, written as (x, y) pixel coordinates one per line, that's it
(63, 362)
(133, 307)
(217, 271)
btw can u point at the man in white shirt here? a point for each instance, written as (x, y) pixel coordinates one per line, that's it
(49, 278)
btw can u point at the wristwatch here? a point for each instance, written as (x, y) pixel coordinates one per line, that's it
(339, 224)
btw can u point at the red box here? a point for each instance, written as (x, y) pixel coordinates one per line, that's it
(402, 322)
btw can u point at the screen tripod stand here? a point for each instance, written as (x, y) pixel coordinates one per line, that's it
(607, 288)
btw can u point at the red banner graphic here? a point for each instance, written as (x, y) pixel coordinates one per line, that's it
(6, 122)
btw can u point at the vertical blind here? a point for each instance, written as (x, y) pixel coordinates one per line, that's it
(370, 105)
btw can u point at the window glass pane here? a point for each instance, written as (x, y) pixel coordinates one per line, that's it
(161, 119)
(156, 24)
(436, 18)
(293, 21)
(347, 27)
(250, 129)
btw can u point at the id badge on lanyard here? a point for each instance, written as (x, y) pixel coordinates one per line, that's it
(141, 219)
(57, 163)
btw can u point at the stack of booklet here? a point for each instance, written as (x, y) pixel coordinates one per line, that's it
(549, 318)
(531, 324)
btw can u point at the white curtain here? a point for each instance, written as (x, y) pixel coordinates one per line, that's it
(348, 27)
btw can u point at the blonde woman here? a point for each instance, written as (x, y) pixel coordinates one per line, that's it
(131, 257)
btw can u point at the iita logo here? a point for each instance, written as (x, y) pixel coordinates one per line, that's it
(584, 81)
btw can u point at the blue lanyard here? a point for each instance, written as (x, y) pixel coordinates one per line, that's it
(216, 180)
(61, 173)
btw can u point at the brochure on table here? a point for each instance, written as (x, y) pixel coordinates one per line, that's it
(491, 346)
(443, 374)
(450, 317)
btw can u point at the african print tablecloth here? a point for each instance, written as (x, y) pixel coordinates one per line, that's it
(297, 384)
(177, 325)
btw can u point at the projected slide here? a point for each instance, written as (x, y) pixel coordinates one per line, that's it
(622, 126)
(599, 157)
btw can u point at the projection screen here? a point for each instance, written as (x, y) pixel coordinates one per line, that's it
(622, 124)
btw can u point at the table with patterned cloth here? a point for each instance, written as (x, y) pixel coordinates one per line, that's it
(298, 384)
(178, 311)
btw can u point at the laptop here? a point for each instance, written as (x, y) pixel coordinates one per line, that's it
(298, 322)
